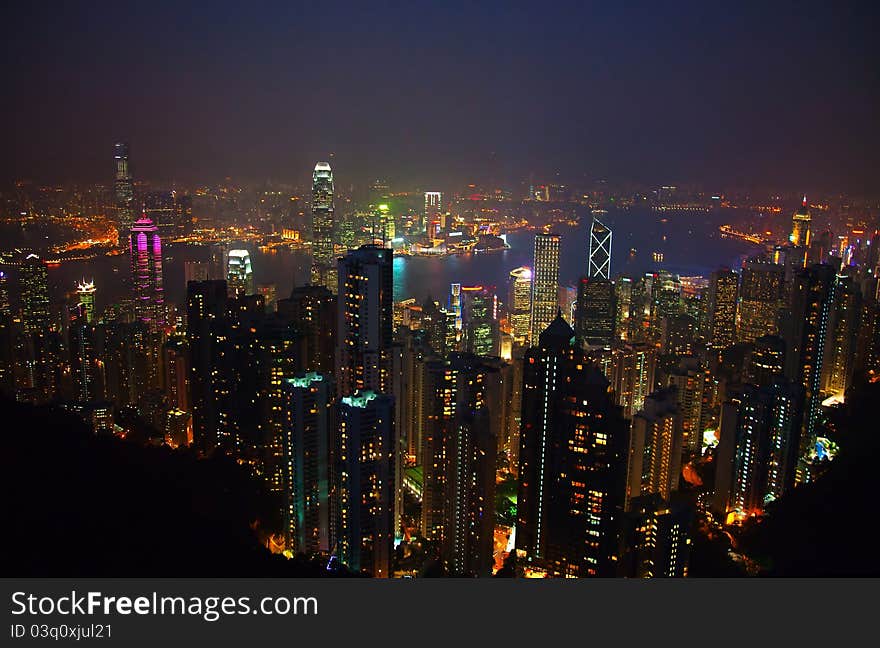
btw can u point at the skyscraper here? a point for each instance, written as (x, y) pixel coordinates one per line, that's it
(124, 189)
(632, 375)
(723, 292)
(323, 227)
(545, 283)
(758, 447)
(146, 272)
(42, 352)
(656, 538)
(690, 379)
(82, 357)
(519, 301)
(843, 327)
(34, 281)
(7, 364)
(459, 444)
(206, 332)
(595, 311)
(761, 296)
(571, 461)
(655, 447)
(85, 292)
(312, 309)
(239, 274)
(308, 461)
(599, 262)
(800, 226)
(766, 360)
(806, 337)
(480, 314)
(365, 478)
(433, 202)
(364, 334)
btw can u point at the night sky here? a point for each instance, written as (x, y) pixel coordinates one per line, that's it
(431, 93)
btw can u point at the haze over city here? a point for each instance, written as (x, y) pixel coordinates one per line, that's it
(778, 96)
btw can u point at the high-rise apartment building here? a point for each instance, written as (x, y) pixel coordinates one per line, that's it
(309, 479)
(655, 447)
(571, 461)
(312, 310)
(364, 334)
(364, 451)
(459, 441)
(723, 293)
(757, 450)
(761, 298)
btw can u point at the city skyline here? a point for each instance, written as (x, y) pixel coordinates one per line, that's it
(405, 357)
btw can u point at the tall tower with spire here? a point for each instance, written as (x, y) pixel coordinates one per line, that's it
(800, 226)
(323, 227)
(599, 264)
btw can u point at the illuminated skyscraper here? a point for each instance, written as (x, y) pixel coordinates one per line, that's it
(146, 273)
(124, 189)
(206, 331)
(83, 360)
(365, 295)
(480, 315)
(34, 295)
(5, 306)
(599, 262)
(655, 447)
(85, 292)
(175, 381)
(545, 283)
(800, 226)
(723, 291)
(595, 311)
(459, 444)
(571, 461)
(308, 427)
(842, 337)
(365, 477)
(455, 305)
(761, 296)
(758, 447)
(433, 202)
(383, 225)
(323, 227)
(519, 301)
(7, 365)
(806, 337)
(312, 309)
(633, 374)
(655, 539)
(239, 274)
(690, 380)
(767, 360)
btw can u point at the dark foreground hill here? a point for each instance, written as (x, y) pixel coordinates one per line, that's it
(74, 504)
(827, 528)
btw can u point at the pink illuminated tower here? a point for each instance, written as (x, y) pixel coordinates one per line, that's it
(146, 273)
